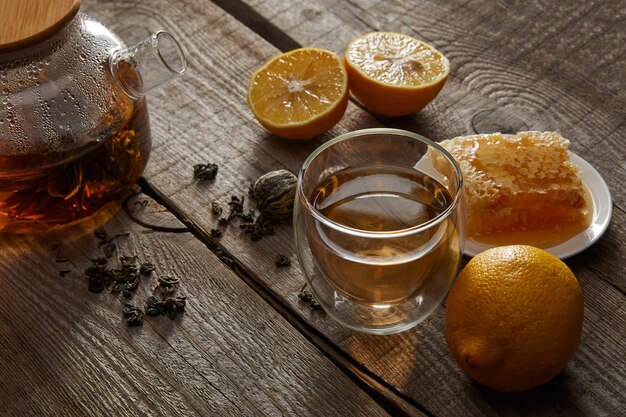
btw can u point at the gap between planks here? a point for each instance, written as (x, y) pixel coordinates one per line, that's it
(387, 396)
(275, 36)
(258, 23)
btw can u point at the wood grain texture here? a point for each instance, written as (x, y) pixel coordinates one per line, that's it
(67, 351)
(507, 67)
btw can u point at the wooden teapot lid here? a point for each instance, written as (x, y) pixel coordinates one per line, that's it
(25, 22)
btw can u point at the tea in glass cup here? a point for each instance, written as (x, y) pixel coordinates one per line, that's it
(378, 225)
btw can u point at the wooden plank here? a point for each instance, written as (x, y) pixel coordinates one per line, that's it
(203, 118)
(492, 77)
(67, 351)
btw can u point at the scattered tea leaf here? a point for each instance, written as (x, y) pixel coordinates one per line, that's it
(134, 315)
(146, 268)
(216, 208)
(228, 261)
(100, 234)
(307, 297)
(125, 280)
(95, 285)
(168, 281)
(236, 206)
(128, 261)
(167, 285)
(167, 305)
(96, 278)
(247, 217)
(282, 260)
(215, 232)
(224, 258)
(261, 226)
(205, 172)
(150, 306)
(132, 283)
(171, 306)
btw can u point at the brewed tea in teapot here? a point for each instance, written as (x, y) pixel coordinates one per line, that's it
(74, 126)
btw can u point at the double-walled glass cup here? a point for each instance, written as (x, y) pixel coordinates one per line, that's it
(378, 225)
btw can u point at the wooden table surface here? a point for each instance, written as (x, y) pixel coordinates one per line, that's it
(246, 345)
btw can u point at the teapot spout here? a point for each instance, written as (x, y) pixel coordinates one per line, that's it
(148, 64)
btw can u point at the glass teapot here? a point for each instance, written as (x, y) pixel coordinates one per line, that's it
(74, 128)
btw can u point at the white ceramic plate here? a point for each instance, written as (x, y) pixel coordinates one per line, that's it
(602, 209)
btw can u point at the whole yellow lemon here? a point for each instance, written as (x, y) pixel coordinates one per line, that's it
(514, 317)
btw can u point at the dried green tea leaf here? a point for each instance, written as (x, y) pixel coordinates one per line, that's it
(205, 172)
(146, 268)
(282, 260)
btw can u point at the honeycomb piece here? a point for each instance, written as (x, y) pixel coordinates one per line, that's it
(519, 182)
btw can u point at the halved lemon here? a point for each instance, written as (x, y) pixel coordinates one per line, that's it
(299, 94)
(394, 74)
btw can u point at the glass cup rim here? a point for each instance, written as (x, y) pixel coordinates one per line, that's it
(380, 234)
